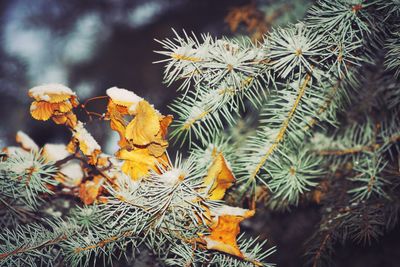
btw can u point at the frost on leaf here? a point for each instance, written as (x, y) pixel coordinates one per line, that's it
(172, 176)
(87, 144)
(71, 174)
(123, 97)
(52, 93)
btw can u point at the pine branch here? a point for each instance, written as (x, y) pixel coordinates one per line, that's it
(281, 133)
(26, 249)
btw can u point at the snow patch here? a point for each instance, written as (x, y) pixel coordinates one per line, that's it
(84, 136)
(228, 210)
(15, 150)
(42, 91)
(55, 152)
(172, 177)
(120, 96)
(73, 172)
(26, 142)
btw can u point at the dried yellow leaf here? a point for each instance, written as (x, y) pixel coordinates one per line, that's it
(90, 190)
(62, 107)
(157, 150)
(41, 110)
(164, 124)
(138, 162)
(219, 178)
(53, 101)
(117, 123)
(60, 119)
(144, 127)
(225, 229)
(87, 144)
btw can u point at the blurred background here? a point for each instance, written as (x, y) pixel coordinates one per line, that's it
(91, 45)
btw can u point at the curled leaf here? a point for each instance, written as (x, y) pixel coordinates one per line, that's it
(41, 110)
(87, 144)
(121, 100)
(117, 123)
(225, 228)
(53, 101)
(219, 177)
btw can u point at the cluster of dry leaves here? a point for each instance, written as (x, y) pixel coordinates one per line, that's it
(83, 169)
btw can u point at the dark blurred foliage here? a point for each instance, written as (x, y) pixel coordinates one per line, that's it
(90, 46)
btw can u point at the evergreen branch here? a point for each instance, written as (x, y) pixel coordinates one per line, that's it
(26, 248)
(185, 58)
(348, 151)
(32, 243)
(279, 137)
(392, 57)
(228, 73)
(205, 111)
(354, 150)
(369, 179)
(322, 247)
(104, 242)
(331, 98)
(25, 176)
(313, 66)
